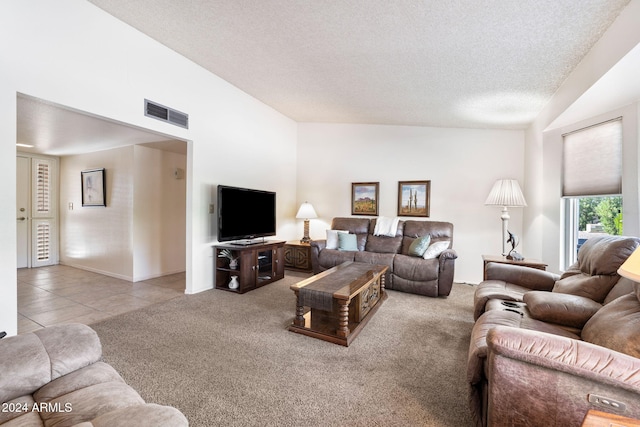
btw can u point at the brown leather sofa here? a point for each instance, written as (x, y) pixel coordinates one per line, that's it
(55, 377)
(430, 277)
(543, 351)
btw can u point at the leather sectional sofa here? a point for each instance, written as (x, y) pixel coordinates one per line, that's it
(431, 277)
(545, 348)
(55, 377)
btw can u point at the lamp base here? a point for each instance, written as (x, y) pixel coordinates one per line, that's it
(306, 238)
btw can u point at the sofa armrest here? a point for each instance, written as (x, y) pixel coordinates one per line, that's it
(446, 267)
(567, 355)
(561, 309)
(539, 379)
(528, 277)
(32, 360)
(317, 246)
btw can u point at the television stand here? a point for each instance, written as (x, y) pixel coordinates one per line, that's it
(259, 264)
(248, 242)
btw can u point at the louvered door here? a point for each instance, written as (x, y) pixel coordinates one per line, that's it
(43, 212)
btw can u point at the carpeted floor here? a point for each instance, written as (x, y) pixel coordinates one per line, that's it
(225, 359)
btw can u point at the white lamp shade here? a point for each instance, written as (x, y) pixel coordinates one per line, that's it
(306, 211)
(506, 192)
(631, 267)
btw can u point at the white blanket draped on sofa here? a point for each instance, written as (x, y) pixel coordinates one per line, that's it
(386, 226)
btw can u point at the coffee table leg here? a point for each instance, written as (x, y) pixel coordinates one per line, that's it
(343, 319)
(382, 284)
(299, 319)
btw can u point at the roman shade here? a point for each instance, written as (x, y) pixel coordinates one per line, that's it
(592, 160)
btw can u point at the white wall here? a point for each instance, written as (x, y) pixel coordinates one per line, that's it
(462, 164)
(71, 53)
(140, 234)
(542, 221)
(159, 207)
(98, 238)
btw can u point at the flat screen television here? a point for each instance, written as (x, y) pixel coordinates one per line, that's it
(245, 214)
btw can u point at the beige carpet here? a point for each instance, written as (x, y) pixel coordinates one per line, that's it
(225, 359)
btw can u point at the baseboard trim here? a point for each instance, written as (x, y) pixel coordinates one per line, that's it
(120, 276)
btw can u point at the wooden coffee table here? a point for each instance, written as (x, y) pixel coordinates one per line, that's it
(336, 304)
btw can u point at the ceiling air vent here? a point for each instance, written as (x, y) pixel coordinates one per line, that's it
(166, 114)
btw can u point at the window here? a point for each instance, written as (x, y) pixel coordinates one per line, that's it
(591, 185)
(587, 217)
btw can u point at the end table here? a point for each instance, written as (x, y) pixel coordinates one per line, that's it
(297, 256)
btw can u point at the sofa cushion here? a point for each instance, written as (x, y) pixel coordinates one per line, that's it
(24, 366)
(70, 347)
(96, 373)
(615, 326)
(352, 225)
(347, 242)
(91, 402)
(329, 258)
(20, 407)
(562, 309)
(414, 268)
(435, 249)
(593, 287)
(623, 287)
(148, 414)
(419, 246)
(375, 258)
(603, 255)
(383, 245)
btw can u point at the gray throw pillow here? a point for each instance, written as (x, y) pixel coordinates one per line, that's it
(419, 245)
(347, 242)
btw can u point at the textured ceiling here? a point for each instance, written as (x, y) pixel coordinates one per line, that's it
(454, 63)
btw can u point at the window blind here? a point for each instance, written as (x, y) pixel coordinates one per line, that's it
(592, 160)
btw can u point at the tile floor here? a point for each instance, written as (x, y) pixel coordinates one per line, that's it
(62, 294)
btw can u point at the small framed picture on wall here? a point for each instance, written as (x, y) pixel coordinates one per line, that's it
(413, 198)
(94, 187)
(364, 198)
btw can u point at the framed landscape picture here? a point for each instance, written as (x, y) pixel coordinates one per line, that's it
(413, 198)
(364, 198)
(93, 188)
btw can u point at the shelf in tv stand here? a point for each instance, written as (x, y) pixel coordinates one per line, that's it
(258, 264)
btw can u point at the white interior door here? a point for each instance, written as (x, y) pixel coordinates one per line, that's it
(23, 210)
(44, 212)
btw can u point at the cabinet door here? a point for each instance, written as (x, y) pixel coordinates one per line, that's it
(278, 255)
(247, 270)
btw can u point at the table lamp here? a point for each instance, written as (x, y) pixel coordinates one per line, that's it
(505, 193)
(306, 212)
(631, 267)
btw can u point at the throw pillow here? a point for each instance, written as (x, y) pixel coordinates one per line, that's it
(435, 249)
(332, 238)
(419, 246)
(347, 242)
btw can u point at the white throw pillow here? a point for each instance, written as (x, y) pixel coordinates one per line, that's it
(435, 249)
(332, 238)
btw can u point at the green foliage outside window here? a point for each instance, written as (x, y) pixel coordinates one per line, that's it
(606, 211)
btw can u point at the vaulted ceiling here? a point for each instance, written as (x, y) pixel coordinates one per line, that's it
(454, 63)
